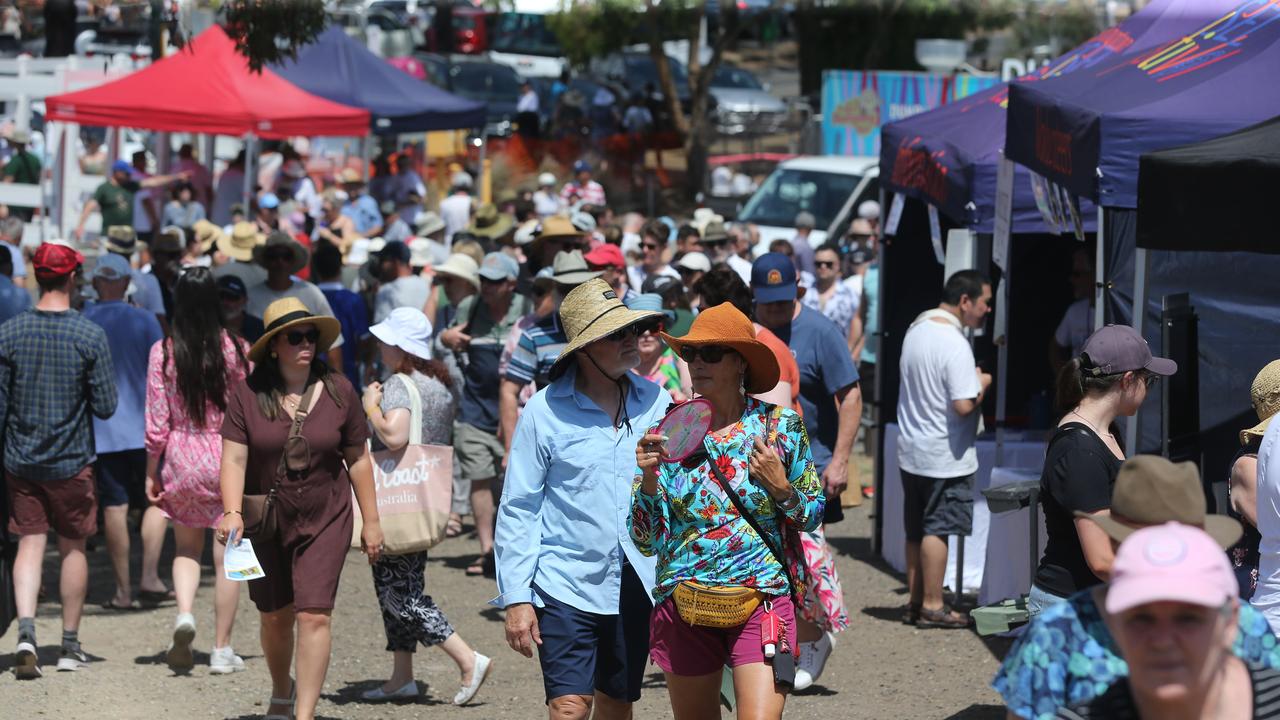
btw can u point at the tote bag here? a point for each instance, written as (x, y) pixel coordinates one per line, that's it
(414, 486)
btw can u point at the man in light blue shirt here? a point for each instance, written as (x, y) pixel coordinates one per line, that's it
(572, 582)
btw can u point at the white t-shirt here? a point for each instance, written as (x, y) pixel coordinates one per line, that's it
(455, 210)
(408, 291)
(740, 266)
(636, 275)
(1076, 326)
(1267, 597)
(260, 296)
(937, 367)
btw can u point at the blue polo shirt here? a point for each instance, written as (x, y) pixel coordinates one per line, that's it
(131, 331)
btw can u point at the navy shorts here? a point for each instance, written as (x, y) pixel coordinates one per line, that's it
(936, 506)
(122, 478)
(582, 652)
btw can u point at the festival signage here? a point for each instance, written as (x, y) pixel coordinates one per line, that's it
(856, 103)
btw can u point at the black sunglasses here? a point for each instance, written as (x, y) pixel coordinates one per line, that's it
(654, 327)
(650, 246)
(295, 337)
(824, 263)
(623, 333)
(710, 353)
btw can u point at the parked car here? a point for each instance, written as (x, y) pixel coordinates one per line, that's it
(744, 105)
(829, 186)
(496, 85)
(633, 72)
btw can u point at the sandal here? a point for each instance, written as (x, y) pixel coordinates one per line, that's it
(286, 702)
(944, 617)
(156, 596)
(911, 614)
(482, 567)
(112, 605)
(454, 527)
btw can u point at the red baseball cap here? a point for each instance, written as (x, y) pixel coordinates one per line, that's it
(55, 260)
(606, 255)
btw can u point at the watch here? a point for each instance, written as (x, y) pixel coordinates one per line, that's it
(791, 502)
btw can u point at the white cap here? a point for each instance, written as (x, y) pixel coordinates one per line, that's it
(869, 210)
(408, 329)
(695, 261)
(546, 179)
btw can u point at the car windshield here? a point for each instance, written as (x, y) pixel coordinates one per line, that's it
(732, 77)
(483, 81)
(789, 191)
(525, 34)
(641, 71)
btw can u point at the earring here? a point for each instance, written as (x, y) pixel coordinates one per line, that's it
(273, 354)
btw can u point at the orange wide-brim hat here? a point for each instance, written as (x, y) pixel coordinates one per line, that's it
(725, 325)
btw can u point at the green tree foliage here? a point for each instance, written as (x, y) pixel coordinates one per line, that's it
(269, 31)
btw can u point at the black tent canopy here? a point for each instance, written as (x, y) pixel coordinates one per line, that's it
(1217, 195)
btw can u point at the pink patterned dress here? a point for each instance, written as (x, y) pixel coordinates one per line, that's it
(192, 455)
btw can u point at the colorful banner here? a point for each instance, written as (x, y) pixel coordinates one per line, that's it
(855, 103)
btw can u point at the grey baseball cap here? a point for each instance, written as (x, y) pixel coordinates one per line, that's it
(1115, 349)
(498, 266)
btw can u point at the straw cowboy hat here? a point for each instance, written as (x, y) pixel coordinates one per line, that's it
(240, 244)
(290, 312)
(590, 312)
(557, 227)
(463, 267)
(570, 268)
(206, 233)
(490, 223)
(281, 239)
(122, 240)
(1266, 400)
(726, 326)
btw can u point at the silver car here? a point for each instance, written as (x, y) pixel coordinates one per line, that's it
(743, 106)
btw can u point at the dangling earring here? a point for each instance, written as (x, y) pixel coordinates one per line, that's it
(742, 384)
(273, 354)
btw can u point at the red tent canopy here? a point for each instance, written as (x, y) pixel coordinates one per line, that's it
(208, 88)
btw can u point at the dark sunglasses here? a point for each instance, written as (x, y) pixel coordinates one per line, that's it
(825, 263)
(295, 337)
(623, 333)
(715, 243)
(653, 327)
(650, 246)
(710, 353)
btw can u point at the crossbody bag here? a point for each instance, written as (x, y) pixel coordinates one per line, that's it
(259, 511)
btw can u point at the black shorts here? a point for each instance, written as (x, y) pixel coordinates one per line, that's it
(936, 506)
(582, 652)
(122, 478)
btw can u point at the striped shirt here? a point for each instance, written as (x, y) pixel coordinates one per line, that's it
(55, 376)
(1117, 702)
(536, 352)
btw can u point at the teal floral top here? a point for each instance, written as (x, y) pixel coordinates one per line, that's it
(696, 531)
(1066, 657)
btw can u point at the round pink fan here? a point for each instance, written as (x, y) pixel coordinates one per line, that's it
(685, 426)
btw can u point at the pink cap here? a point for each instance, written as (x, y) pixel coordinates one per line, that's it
(1170, 563)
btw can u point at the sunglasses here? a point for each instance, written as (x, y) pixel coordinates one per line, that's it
(709, 353)
(652, 328)
(295, 337)
(650, 246)
(624, 333)
(825, 264)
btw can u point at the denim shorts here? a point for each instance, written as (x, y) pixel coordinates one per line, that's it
(1040, 600)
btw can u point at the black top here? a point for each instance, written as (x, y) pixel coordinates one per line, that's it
(1244, 554)
(1117, 702)
(1079, 470)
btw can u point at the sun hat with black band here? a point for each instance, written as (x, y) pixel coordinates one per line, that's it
(1116, 349)
(290, 312)
(122, 240)
(282, 239)
(1265, 393)
(1150, 490)
(590, 312)
(726, 326)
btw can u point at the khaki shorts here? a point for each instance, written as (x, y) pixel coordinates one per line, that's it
(68, 506)
(478, 452)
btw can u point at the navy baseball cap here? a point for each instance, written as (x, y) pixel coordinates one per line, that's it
(232, 285)
(395, 250)
(773, 278)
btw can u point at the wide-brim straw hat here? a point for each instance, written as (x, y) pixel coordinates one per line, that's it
(240, 243)
(206, 233)
(290, 312)
(1266, 400)
(490, 223)
(725, 325)
(557, 227)
(590, 312)
(282, 239)
(122, 239)
(461, 266)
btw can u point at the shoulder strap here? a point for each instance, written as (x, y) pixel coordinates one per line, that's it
(299, 417)
(415, 408)
(747, 515)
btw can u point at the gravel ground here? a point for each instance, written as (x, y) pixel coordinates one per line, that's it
(880, 669)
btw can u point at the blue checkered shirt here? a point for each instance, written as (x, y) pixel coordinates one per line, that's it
(55, 372)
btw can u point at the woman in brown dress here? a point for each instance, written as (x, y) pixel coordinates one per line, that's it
(313, 506)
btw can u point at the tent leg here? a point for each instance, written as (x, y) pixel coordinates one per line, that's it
(1100, 275)
(366, 156)
(250, 171)
(1002, 358)
(878, 412)
(1141, 259)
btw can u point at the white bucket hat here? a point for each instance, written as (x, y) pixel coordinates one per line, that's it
(408, 329)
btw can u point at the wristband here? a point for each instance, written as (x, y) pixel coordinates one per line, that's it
(232, 512)
(368, 411)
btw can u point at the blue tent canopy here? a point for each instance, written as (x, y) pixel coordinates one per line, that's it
(339, 68)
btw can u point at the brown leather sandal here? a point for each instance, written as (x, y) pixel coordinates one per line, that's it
(942, 618)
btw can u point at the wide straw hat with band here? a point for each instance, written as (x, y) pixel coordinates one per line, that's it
(490, 223)
(279, 239)
(290, 312)
(122, 240)
(726, 326)
(206, 233)
(1266, 400)
(590, 312)
(240, 243)
(1150, 490)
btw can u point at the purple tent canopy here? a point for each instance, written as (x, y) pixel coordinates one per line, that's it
(949, 156)
(1214, 74)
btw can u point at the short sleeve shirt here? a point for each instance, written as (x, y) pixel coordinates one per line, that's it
(1075, 327)
(437, 405)
(536, 352)
(130, 333)
(839, 308)
(408, 291)
(115, 202)
(479, 402)
(937, 368)
(826, 367)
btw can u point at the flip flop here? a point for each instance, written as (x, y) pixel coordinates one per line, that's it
(117, 607)
(156, 596)
(454, 527)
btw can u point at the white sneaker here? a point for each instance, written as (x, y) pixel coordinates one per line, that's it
(408, 691)
(72, 660)
(26, 664)
(180, 656)
(813, 660)
(478, 676)
(224, 661)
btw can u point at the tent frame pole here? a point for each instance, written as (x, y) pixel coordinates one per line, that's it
(1100, 274)
(1002, 357)
(250, 169)
(1141, 265)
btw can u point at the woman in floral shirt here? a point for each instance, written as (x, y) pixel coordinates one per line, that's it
(681, 513)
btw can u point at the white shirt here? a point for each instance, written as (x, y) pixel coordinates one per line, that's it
(741, 266)
(937, 367)
(1267, 597)
(546, 203)
(528, 102)
(455, 210)
(260, 296)
(636, 275)
(1076, 326)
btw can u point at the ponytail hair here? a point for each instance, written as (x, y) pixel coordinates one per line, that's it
(1079, 378)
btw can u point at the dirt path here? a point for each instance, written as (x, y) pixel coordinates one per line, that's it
(881, 668)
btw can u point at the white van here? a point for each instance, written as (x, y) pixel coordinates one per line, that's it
(829, 186)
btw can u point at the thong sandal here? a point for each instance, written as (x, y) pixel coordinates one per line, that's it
(482, 567)
(944, 617)
(111, 604)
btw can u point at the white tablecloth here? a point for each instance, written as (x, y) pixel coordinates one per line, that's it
(1008, 571)
(1018, 453)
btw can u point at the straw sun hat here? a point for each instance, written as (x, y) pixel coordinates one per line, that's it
(726, 326)
(240, 243)
(1266, 400)
(290, 312)
(590, 312)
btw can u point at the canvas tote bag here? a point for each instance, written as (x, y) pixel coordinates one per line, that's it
(414, 486)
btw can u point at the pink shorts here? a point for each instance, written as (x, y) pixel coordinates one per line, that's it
(683, 649)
